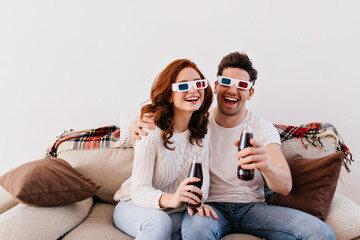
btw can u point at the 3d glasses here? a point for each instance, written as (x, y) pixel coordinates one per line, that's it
(185, 86)
(241, 84)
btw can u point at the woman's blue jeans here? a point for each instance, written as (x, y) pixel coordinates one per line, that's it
(257, 219)
(147, 223)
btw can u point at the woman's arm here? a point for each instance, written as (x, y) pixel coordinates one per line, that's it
(142, 191)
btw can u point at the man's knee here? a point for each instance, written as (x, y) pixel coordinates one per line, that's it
(197, 227)
(320, 230)
(310, 227)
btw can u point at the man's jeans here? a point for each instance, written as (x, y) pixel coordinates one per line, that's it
(257, 219)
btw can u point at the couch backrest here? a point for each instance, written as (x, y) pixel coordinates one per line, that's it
(111, 167)
(294, 146)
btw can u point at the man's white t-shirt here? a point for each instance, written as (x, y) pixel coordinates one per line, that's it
(224, 183)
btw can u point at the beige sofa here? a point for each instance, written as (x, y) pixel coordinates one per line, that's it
(93, 218)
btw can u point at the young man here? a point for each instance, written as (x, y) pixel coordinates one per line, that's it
(240, 205)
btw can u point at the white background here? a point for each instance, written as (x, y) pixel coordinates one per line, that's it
(78, 64)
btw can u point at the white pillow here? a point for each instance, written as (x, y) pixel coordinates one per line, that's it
(344, 218)
(6, 200)
(28, 222)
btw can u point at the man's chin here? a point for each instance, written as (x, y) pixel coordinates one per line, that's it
(228, 112)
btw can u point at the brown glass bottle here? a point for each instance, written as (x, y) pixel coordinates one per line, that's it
(196, 171)
(245, 137)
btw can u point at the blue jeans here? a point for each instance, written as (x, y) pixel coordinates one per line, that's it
(147, 223)
(257, 219)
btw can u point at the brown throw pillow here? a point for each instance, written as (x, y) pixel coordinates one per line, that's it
(314, 184)
(48, 182)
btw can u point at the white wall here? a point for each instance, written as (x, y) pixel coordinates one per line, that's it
(78, 64)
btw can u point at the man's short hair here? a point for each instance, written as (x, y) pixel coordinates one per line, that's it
(238, 60)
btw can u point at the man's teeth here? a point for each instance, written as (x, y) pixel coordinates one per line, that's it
(230, 99)
(192, 99)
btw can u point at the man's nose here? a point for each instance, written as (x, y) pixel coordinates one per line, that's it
(232, 88)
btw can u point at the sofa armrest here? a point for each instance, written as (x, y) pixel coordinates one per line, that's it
(6, 200)
(344, 217)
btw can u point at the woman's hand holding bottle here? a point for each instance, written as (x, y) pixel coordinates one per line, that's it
(185, 193)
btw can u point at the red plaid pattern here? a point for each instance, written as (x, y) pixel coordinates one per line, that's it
(92, 139)
(310, 131)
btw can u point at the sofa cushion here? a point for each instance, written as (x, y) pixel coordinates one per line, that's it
(240, 236)
(29, 222)
(344, 218)
(6, 200)
(109, 167)
(314, 184)
(98, 225)
(48, 182)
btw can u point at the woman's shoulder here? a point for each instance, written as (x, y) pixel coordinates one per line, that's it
(153, 136)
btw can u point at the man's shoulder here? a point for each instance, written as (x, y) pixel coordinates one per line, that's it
(255, 118)
(260, 122)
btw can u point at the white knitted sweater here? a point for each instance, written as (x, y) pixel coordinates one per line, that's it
(158, 170)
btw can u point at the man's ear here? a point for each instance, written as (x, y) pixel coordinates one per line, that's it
(215, 87)
(251, 93)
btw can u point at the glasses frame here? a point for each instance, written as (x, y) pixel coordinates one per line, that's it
(175, 86)
(236, 82)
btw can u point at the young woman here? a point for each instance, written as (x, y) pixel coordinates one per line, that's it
(151, 202)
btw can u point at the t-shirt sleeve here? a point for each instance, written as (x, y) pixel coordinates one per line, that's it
(142, 191)
(266, 133)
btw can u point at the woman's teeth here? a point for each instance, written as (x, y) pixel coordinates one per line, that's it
(192, 99)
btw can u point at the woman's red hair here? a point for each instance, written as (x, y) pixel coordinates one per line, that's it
(163, 109)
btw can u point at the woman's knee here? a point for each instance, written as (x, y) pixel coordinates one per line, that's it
(142, 223)
(161, 219)
(159, 225)
(117, 215)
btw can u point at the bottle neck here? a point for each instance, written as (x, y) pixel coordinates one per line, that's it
(247, 127)
(195, 159)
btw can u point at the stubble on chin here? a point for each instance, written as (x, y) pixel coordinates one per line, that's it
(227, 113)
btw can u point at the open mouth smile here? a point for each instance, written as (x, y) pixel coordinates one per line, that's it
(231, 100)
(192, 99)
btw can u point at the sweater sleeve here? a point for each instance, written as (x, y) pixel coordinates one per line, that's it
(142, 191)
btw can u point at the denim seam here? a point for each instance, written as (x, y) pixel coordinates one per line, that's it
(270, 229)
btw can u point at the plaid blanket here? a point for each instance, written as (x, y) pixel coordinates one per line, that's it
(313, 132)
(108, 137)
(104, 137)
